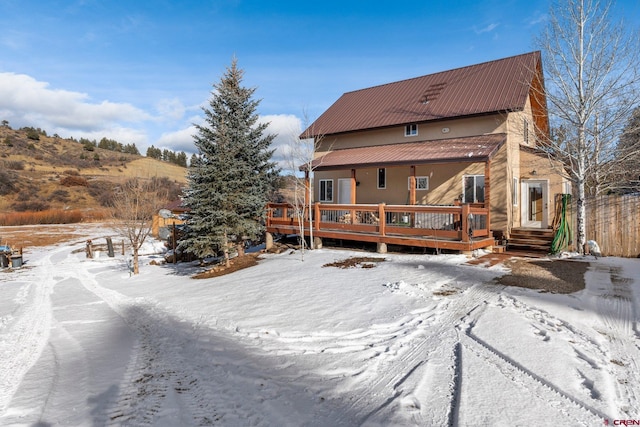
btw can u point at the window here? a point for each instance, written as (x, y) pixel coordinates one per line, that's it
(473, 189)
(411, 130)
(422, 183)
(525, 132)
(326, 190)
(382, 178)
(514, 192)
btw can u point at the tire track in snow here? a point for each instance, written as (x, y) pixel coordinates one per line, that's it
(431, 376)
(616, 311)
(157, 370)
(179, 373)
(26, 335)
(532, 383)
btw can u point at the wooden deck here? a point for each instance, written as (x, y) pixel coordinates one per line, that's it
(458, 228)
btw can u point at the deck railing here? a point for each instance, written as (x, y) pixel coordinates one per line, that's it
(462, 222)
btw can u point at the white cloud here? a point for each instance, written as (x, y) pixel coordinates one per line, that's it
(486, 29)
(180, 140)
(537, 18)
(171, 108)
(287, 127)
(30, 102)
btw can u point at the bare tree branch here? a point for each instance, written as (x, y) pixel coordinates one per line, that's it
(135, 203)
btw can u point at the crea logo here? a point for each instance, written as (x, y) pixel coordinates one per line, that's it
(623, 422)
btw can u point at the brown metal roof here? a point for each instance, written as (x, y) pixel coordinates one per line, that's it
(469, 149)
(496, 86)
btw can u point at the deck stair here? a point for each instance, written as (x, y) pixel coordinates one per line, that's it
(530, 240)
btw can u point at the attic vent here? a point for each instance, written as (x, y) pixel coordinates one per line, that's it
(432, 92)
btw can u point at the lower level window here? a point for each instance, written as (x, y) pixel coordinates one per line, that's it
(326, 190)
(473, 189)
(422, 183)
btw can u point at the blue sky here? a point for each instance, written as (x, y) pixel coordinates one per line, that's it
(140, 71)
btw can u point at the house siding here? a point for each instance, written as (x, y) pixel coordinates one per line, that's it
(495, 123)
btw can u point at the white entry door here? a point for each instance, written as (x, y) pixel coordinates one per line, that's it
(535, 204)
(344, 191)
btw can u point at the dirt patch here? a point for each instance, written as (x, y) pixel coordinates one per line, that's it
(238, 263)
(556, 276)
(45, 235)
(354, 262)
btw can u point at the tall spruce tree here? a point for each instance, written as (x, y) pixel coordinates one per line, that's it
(229, 183)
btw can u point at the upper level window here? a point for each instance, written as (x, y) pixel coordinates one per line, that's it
(411, 130)
(525, 132)
(382, 178)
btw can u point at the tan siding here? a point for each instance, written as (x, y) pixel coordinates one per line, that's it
(433, 131)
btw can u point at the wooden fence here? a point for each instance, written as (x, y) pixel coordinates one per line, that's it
(614, 223)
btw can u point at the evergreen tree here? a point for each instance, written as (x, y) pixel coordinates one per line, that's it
(181, 159)
(627, 160)
(154, 153)
(131, 149)
(229, 184)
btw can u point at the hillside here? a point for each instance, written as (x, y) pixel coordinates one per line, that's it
(56, 173)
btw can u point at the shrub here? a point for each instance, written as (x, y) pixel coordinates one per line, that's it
(73, 181)
(7, 182)
(16, 165)
(103, 192)
(33, 134)
(34, 205)
(71, 172)
(59, 196)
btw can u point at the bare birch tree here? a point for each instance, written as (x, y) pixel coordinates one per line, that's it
(135, 203)
(301, 156)
(592, 80)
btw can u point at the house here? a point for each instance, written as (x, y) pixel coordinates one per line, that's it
(463, 137)
(169, 216)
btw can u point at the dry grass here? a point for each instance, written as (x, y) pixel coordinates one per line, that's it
(51, 216)
(353, 262)
(238, 263)
(556, 276)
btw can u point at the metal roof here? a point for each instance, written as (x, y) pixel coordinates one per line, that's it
(469, 149)
(495, 86)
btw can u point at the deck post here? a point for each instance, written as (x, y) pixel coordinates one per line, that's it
(412, 186)
(316, 208)
(353, 187)
(382, 219)
(269, 214)
(465, 223)
(487, 192)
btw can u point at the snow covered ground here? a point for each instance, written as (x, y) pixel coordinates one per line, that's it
(415, 340)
